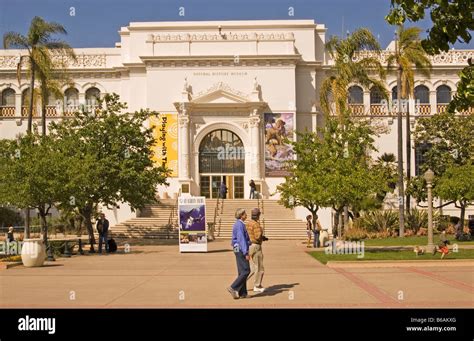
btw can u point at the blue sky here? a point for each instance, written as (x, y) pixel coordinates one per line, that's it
(96, 22)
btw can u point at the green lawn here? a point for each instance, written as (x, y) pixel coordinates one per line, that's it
(390, 255)
(415, 240)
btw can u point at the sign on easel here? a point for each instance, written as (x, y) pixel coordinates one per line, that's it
(192, 224)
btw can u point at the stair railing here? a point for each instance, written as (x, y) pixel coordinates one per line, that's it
(216, 214)
(173, 218)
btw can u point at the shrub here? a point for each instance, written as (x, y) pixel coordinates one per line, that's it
(9, 217)
(416, 219)
(379, 221)
(355, 234)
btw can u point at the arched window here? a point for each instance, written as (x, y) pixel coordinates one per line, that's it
(394, 93)
(443, 94)
(92, 95)
(72, 97)
(25, 97)
(422, 94)
(375, 96)
(356, 95)
(221, 151)
(8, 97)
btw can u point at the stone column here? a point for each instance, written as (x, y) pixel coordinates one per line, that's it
(366, 102)
(183, 135)
(433, 102)
(255, 161)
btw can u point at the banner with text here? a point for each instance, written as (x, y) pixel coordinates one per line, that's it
(166, 136)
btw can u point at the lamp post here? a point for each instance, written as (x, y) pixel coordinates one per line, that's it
(429, 177)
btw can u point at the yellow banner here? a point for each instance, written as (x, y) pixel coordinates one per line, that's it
(166, 136)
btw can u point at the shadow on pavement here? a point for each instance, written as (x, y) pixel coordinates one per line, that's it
(218, 251)
(275, 290)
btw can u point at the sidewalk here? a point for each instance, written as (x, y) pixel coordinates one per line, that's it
(153, 276)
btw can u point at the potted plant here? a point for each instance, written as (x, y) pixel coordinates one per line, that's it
(33, 252)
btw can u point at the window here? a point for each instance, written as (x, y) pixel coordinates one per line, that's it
(8, 98)
(443, 94)
(420, 159)
(375, 96)
(422, 94)
(72, 97)
(92, 95)
(25, 97)
(221, 151)
(394, 93)
(356, 95)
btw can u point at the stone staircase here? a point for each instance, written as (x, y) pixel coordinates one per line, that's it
(153, 221)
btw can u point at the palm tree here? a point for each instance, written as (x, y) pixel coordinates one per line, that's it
(409, 56)
(42, 58)
(346, 71)
(41, 48)
(335, 88)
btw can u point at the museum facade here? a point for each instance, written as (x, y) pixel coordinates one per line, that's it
(228, 92)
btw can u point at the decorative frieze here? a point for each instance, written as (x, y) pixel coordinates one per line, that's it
(212, 37)
(82, 61)
(456, 57)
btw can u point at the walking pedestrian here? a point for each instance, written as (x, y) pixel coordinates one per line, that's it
(240, 244)
(256, 236)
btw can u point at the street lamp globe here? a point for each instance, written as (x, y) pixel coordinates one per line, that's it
(429, 176)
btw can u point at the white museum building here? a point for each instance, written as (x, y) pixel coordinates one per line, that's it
(227, 83)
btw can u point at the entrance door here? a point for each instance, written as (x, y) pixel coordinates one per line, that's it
(210, 186)
(222, 159)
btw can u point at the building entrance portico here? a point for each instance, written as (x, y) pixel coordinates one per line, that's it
(220, 140)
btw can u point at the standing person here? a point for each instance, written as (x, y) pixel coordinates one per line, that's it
(223, 190)
(309, 228)
(10, 236)
(253, 189)
(255, 252)
(316, 230)
(241, 244)
(103, 229)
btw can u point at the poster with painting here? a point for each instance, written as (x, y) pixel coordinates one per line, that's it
(192, 224)
(278, 128)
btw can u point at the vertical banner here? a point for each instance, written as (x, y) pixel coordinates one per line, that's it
(278, 127)
(166, 136)
(192, 224)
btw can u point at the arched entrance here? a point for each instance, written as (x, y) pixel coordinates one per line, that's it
(221, 159)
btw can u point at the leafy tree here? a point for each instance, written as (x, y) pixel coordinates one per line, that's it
(464, 97)
(452, 20)
(457, 185)
(109, 153)
(33, 173)
(450, 154)
(332, 168)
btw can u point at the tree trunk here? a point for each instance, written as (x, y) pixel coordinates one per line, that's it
(86, 212)
(32, 87)
(463, 213)
(408, 152)
(401, 195)
(43, 117)
(346, 218)
(44, 226)
(339, 223)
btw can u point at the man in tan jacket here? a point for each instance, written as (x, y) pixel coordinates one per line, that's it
(255, 233)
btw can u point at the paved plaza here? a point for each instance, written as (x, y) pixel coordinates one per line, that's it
(158, 276)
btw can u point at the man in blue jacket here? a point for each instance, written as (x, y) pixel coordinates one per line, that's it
(241, 244)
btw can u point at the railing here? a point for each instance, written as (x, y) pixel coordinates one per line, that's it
(7, 111)
(424, 109)
(173, 218)
(25, 109)
(377, 109)
(357, 109)
(219, 205)
(51, 111)
(440, 108)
